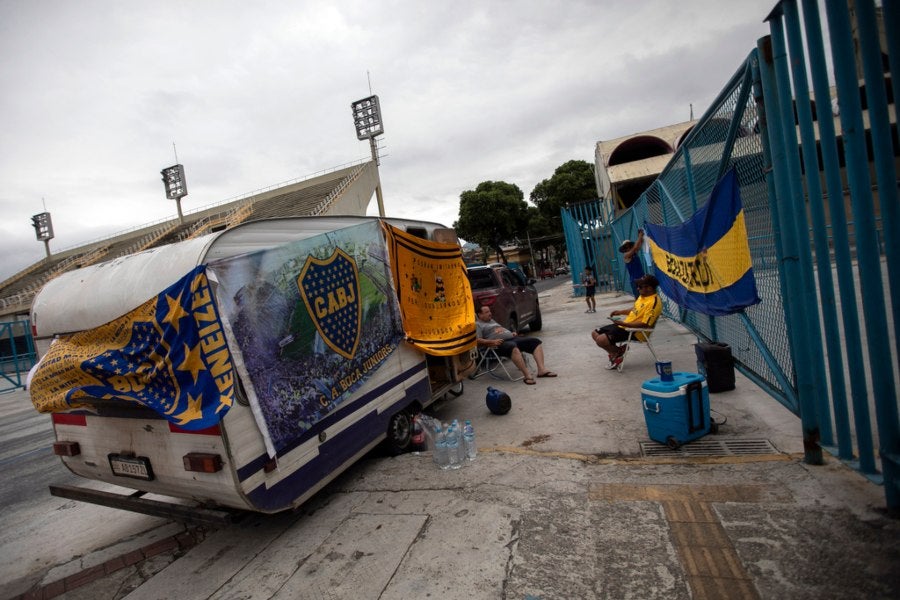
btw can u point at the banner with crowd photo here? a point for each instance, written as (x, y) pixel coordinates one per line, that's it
(312, 321)
(169, 354)
(704, 264)
(434, 293)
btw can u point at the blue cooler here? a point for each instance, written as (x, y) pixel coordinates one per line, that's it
(676, 411)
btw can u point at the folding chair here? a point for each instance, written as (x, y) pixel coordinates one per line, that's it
(490, 362)
(632, 338)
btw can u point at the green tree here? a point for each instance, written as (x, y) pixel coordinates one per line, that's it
(492, 214)
(571, 183)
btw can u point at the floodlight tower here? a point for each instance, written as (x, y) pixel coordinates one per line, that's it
(43, 229)
(367, 118)
(176, 186)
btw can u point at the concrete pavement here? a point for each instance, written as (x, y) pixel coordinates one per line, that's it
(567, 499)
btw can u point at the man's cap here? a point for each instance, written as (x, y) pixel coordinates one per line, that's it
(626, 246)
(648, 280)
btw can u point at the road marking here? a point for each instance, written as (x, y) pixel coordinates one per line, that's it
(713, 569)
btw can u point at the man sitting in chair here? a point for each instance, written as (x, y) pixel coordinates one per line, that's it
(646, 310)
(508, 344)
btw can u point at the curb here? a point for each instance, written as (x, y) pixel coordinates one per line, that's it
(176, 544)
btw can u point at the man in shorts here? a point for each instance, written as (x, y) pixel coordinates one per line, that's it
(491, 334)
(646, 311)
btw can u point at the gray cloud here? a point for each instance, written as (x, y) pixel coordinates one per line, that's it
(96, 92)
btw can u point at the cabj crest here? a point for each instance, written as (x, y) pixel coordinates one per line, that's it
(330, 289)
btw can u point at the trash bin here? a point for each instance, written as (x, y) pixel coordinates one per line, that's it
(714, 360)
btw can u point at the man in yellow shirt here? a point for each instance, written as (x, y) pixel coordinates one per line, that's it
(644, 314)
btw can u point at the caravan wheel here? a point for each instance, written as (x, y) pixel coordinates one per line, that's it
(399, 433)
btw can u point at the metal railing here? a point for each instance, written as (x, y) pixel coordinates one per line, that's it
(17, 354)
(796, 344)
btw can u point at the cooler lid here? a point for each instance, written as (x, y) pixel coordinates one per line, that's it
(679, 381)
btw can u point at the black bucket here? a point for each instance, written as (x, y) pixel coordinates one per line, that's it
(715, 361)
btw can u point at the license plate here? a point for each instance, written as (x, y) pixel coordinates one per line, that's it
(136, 467)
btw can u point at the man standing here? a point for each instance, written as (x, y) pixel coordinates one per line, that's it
(644, 314)
(633, 263)
(491, 334)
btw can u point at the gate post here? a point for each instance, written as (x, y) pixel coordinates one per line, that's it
(789, 265)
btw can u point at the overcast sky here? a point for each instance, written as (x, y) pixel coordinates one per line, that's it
(94, 93)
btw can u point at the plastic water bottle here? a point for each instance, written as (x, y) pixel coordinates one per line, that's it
(461, 444)
(440, 448)
(469, 440)
(453, 448)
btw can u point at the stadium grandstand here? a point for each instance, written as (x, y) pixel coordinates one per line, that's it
(344, 190)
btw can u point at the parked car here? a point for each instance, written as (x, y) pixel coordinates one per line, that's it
(563, 270)
(547, 273)
(511, 296)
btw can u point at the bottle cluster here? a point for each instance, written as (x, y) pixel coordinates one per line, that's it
(453, 445)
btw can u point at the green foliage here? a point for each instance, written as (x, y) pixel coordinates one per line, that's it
(492, 214)
(538, 224)
(571, 183)
(496, 213)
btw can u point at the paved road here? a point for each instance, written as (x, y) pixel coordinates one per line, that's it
(566, 500)
(26, 456)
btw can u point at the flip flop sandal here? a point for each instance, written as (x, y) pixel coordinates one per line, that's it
(529, 381)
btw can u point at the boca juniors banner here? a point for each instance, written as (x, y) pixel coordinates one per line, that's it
(434, 293)
(312, 321)
(704, 264)
(169, 354)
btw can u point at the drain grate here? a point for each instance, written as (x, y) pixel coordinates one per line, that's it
(711, 447)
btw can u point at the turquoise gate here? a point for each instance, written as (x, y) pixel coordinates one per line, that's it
(814, 250)
(17, 354)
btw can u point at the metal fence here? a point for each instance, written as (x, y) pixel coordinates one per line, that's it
(806, 342)
(17, 354)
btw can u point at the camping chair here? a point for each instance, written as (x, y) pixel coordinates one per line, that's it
(492, 363)
(635, 339)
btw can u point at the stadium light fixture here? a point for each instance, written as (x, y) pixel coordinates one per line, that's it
(176, 186)
(367, 119)
(43, 229)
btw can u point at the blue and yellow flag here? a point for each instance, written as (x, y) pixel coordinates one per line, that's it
(169, 354)
(704, 264)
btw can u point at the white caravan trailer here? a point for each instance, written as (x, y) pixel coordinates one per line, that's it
(300, 402)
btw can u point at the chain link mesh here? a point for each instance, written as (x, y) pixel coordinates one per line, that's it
(727, 136)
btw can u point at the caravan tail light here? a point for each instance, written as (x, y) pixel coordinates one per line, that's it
(68, 419)
(202, 462)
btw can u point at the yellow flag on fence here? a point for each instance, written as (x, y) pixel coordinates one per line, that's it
(434, 294)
